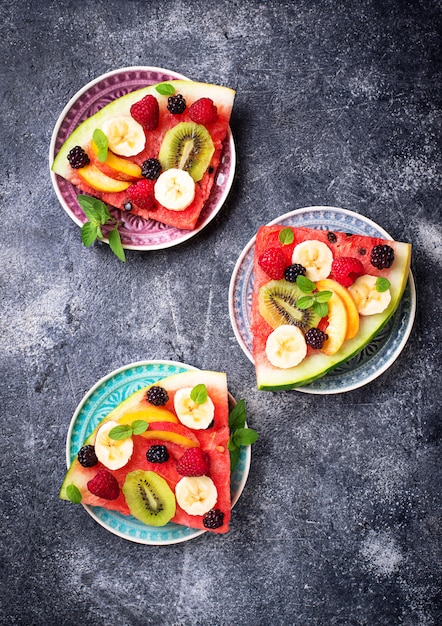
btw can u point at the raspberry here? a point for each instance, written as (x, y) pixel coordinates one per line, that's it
(157, 454)
(176, 104)
(157, 396)
(382, 257)
(146, 112)
(315, 338)
(272, 261)
(87, 457)
(141, 193)
(346, 269)
(203, 111)
(194, 462)
(213, 519)
(292, 272)
(78, 158)
(151, 169)
(104, 485)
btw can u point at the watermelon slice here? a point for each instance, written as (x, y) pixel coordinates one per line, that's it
(349, 328)
(164, 428)
(110, 180)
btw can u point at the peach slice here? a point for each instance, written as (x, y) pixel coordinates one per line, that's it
(352, 312)
(115, 166)
(167, 435)
(337, 325)
(92, 176)
(149, 415)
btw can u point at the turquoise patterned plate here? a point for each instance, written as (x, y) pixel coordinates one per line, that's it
(378, 355)
(104, 396)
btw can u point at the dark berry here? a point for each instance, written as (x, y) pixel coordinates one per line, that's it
(292, 272)
(176, 104)
(157, 454)
(213, 519)
(315, 338)
(78, 158)
(128, 206)
(382, 257)
(87, 457)
(151, 169)
(157, 396)
(332, 237)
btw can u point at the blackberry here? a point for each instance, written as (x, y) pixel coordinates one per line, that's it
(315, 338)
(382, 257)
(87, 457)
(332, 237)
(157, 396)
(78, 158)
(292, 272)
(128, 206)
(176, 104)
(157, 454)
(151, 169)
(213, 519)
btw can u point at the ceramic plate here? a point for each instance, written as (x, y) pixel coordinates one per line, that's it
(136, 232)
(378, 355)
(104, 396)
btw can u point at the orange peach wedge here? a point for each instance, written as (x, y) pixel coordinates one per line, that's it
(352, 312)
(92, 176)
(337, 325)
(115, 166)
(149, 415)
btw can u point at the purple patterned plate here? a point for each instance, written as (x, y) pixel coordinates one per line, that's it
(136, 232)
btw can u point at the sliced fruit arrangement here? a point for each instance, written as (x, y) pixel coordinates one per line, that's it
(164, 454)
(169, 134)
(319, 297)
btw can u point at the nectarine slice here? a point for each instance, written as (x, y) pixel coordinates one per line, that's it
(352, 312)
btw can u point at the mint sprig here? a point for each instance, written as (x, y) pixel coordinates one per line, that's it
(73, 493)
(123, 431)
(102, 143)
(318, 301)
(165, 89)
(286, 236)
(240, 435)
(199, 394)
(382, 284)
(98, 215)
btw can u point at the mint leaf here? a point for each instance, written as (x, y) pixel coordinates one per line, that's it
(73, 493)
(100, 140)
(382, 284)
(323, 296)
(139, 427)
(115, 244)
(320, 308)
(123, 431)
(199, 394)
(237, 416)
(89, 233)
(286, 236)
(245, 436)
(99, 215)
(305, 284)
(165, 89)
(305, 302)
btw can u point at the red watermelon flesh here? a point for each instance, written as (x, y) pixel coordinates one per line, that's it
(316, 364)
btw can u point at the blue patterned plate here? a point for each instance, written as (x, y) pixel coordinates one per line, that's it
(104, 396)
(374, 358)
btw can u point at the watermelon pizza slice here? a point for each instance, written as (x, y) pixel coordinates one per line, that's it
(319, 298)
(153, 152)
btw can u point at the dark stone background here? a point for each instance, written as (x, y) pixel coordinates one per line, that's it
(338, 103)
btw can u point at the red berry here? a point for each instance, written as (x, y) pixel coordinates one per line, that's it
(272, 261)
(203, 111)
(194, 462)
(346, 270)
(104, 485)
(141, 193)
(146, 112)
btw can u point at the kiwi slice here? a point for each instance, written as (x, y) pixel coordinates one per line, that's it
(149, 497)
(277, 305)
(187, 146)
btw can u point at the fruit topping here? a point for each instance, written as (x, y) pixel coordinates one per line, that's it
(315, 338)
(286, 346)
(349, 303)
(277, 302)
(196, 494)
(149, 497)
(141, 193)
(146, 112)
(194, 462)
(87, 457)
(315, 256)
(369, 300)
(194, 410)
(176, 104)
(382, 257)
(272, 261)
(157, 395)
(292, 272)
(203, 111)
(187, 146)
(157, 454)
(337, 325)
(151, 169)
(213, 519)
(346, 270)
(125, 135)
(112, 453)
(175, 189)
(78, 158)
(104, 485)
(332, 237)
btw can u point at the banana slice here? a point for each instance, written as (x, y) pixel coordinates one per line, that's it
(191, 414)
(369, 300)
(196, 494)
(125, 135)
(286, 346)
(113, 453)
(315, 256)
(175, 189)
